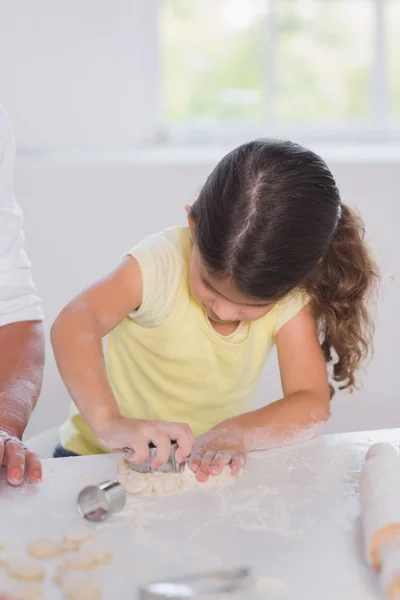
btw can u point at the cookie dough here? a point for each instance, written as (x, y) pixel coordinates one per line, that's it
(90, 557)
(25, 570)
(32, 592)
(43, 549)
(83, 589)
(166, 483)
(74, 540)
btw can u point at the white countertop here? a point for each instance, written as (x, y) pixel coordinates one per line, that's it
(293, 517)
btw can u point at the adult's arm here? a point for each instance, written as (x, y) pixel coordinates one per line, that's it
(21, 332)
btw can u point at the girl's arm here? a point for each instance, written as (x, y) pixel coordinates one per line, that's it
(77, 342)
(299, 415)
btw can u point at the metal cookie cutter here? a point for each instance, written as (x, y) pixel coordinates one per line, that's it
(232, 584)
(97, 502)
(171, 466)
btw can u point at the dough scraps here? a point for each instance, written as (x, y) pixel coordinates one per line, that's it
(83, 589)
(166, 483)
(92, 556)
(74, 540)
(43, 549)
(32, 592)
(25, 570)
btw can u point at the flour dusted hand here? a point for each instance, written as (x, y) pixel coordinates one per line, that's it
(120, 432)
(221, 446)
(18, 459)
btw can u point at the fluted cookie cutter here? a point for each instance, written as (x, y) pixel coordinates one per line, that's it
(230, 584)
(171, 466)
(96, 502)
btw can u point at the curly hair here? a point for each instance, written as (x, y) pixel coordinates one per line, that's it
(340, 288)
(270, 217)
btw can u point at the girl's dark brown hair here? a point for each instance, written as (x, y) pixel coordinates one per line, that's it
(270, 217)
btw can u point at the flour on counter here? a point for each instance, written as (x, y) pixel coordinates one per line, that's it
(271, 583)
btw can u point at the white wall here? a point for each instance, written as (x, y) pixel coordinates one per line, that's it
(80, 73)
(81, 215)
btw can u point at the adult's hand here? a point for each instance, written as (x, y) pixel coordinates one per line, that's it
(18, 460)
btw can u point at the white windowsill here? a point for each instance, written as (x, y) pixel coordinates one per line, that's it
(164, 155)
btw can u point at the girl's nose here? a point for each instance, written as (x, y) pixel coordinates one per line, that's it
(224, 311)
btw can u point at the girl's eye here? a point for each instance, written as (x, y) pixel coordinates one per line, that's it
(207, 285)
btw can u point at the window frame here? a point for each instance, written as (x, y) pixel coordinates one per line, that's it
(379, 127)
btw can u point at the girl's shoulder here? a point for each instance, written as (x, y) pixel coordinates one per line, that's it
(173, 242)
(162, 258)
(290, 306)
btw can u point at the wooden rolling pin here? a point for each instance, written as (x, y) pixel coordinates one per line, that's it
(380, 511)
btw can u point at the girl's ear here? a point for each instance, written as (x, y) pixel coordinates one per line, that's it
(187, 208)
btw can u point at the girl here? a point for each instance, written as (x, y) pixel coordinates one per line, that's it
(271, 255)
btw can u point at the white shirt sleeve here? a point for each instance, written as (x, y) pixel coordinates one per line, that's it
(18, 299)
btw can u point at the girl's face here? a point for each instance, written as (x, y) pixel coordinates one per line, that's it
(221, 301)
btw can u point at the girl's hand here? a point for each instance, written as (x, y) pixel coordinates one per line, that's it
(219, 447)
(119, 433)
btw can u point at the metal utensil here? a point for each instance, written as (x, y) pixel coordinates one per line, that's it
(232, 584)
(96, 502)
(171, 466)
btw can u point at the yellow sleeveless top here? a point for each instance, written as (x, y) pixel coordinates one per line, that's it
(165, 361)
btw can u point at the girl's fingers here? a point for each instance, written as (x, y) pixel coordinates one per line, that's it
(203, 471)
(195, 461)
(33, 466)
(220, 461)
(140, 451)
(237, 465)
(163, 444)
(184, 438)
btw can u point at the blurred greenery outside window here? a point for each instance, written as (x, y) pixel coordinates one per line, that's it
(314, 65)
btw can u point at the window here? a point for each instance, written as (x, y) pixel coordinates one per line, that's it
(326, 67)
(114, 75)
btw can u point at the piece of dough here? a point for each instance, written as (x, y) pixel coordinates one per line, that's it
(61, 571)
(25, 569)
(92, 556)
(166, 483)
(73, 541)
(32, 592)
(82, 589)
(43, 549)
(89, 557)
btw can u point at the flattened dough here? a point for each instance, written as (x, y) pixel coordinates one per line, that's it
(166, 483)
(25, 570)
(73, 541)
(92, 556)
(43, 549)
(83, 589)
(32, 592)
